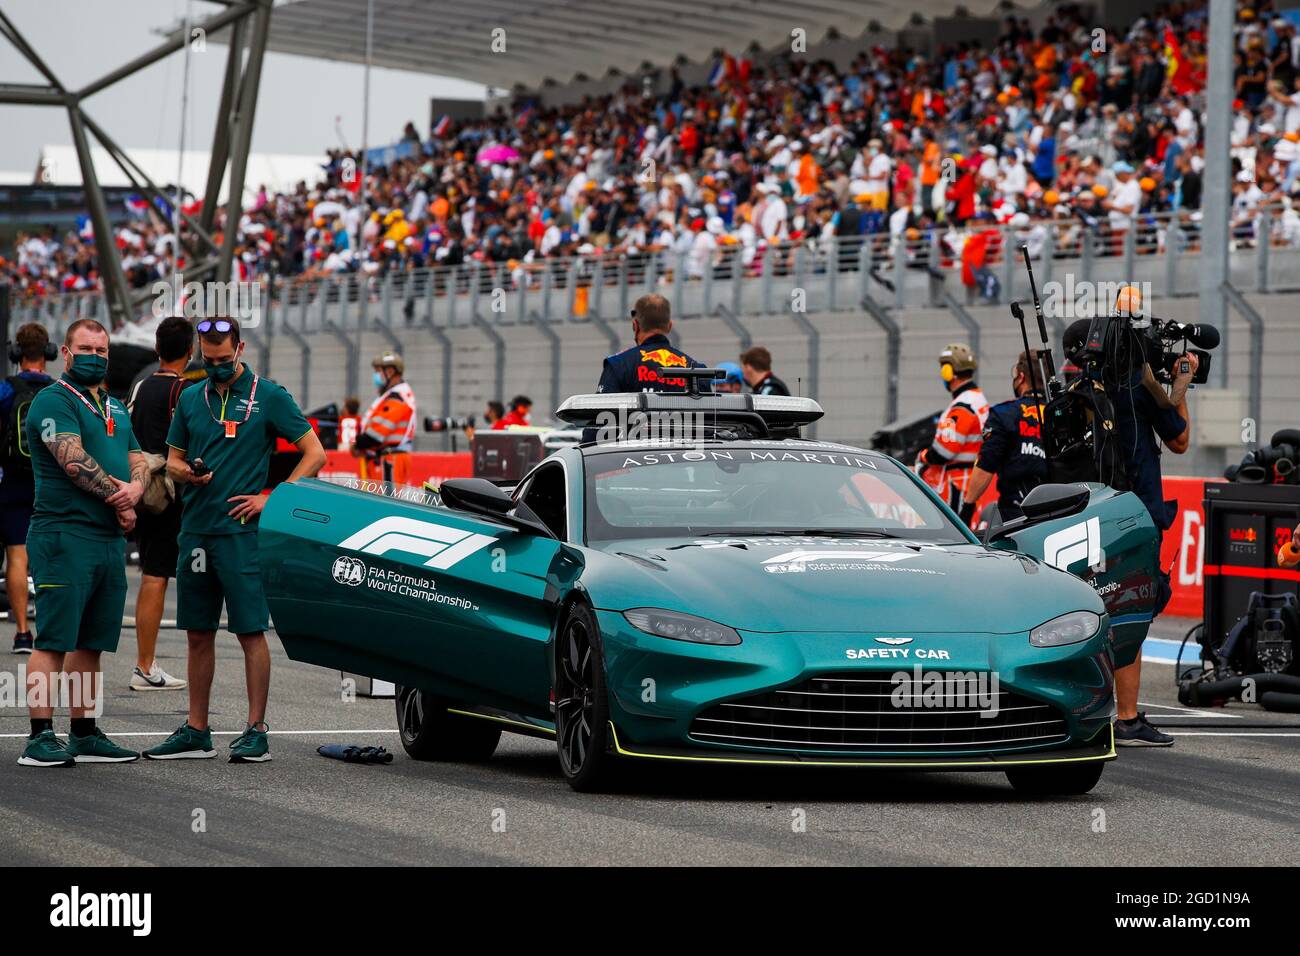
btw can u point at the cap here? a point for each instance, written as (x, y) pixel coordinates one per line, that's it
(732, 370)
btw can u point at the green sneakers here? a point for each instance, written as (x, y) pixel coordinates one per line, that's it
(46, 750)
(184, 743)
(251, 746)
(97, 748)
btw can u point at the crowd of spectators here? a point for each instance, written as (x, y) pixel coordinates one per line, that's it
(1070, 130)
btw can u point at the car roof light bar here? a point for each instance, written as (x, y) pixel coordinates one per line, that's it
(779, 410)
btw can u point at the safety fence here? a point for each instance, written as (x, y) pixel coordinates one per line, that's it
(914, 269)
(875, 276)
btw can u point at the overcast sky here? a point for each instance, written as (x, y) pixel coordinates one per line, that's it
(299, 101)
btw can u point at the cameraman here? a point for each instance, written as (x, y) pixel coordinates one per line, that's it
(1142, 422)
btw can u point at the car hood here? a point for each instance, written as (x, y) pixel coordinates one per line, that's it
(835, 584)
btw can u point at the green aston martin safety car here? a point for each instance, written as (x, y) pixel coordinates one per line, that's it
(745, 596)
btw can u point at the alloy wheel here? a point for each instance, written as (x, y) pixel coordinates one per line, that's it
(576, 701)
(412, 713)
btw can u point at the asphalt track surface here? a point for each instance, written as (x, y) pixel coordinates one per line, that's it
(1231, 781)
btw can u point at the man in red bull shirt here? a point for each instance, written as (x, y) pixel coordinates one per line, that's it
(646, 366)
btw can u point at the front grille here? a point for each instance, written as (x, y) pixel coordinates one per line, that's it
(842, 714)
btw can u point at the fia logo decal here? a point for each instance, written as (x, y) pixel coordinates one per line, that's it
(349, 570)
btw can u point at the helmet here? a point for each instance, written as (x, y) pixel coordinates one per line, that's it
(385, 359)
(955, 360)
(732, 370)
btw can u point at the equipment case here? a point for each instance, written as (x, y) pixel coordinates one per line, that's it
(1244, 527)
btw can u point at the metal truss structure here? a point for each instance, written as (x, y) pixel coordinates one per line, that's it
(249, 23)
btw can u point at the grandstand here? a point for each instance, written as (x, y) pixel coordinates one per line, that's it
(852, 204)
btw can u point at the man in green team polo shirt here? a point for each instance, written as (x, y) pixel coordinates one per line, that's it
(231, 424)
(89, 474)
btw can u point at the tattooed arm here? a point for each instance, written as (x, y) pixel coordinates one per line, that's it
(139, 467)
(84, 471)
(128, 495)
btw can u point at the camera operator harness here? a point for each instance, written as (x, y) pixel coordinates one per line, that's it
(1110, 352)
(1078, 422)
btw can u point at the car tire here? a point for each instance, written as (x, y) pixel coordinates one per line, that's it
(582, 705)
(1065, 780)
(430, 732)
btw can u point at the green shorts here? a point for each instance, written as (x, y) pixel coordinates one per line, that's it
(216, 567)
(80, 590)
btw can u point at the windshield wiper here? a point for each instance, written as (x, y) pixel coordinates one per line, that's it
(829, 533)
(848, 533)
(806, 533)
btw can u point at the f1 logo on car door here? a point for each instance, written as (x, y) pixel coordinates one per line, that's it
(442, 545)
(1083, 540)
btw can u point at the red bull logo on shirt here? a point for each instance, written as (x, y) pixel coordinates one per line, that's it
(662, 357)
(665, 357)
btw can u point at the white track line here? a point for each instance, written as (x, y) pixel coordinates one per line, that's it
(1228, 733)
(236, 733)
(1188, 712)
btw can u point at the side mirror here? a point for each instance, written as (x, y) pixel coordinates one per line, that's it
(1047, 502)
(479, 496)
(475, 494)
(1044, 503)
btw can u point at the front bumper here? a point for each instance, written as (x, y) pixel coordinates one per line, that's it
(663, 692)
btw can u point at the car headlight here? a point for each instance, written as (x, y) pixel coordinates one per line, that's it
(680, 627)
(1067, 629)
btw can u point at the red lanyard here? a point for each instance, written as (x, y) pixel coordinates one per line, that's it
(106, 415)
(220, 420)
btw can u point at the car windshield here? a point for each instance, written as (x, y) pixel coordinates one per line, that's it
(643, 493)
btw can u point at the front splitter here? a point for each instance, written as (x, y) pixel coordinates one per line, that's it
(1092, 751)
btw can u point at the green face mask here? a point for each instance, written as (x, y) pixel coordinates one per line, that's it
(221, 372)
(88, 369)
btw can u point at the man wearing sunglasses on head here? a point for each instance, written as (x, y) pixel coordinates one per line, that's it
(231, 424)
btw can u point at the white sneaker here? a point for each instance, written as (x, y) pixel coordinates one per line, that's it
(156, 679)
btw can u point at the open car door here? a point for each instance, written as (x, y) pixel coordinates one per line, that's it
(414, 593)
(1112, 544)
